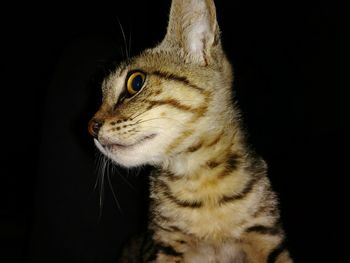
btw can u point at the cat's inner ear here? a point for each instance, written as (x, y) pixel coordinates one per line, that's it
(193, 28)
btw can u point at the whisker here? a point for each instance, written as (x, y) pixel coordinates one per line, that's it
(124, 38)
(125, 180)
(137, 171)
(146, 128)
(112, 189)
(98, 169)
(129, 43)
(102, 182)
(138, 114)
(158, 118)
(122, 52)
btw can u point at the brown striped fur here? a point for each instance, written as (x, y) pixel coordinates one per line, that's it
(211, 200)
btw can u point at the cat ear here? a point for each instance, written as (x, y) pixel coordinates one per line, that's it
(193, 29)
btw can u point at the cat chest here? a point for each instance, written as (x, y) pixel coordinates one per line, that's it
(209, 235)
(212, 224)
(205, 223)
(206, 218)
(225, 252)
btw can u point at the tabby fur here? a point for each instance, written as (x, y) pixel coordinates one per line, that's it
(211, 200)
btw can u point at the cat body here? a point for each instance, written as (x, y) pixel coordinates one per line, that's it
(171, 107)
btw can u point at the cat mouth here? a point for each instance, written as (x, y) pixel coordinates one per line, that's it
(119, 146)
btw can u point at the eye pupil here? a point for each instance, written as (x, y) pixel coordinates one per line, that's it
(137, 83)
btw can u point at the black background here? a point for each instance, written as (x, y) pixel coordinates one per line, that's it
(290, 61)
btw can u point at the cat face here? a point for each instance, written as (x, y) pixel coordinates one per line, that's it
(169, 98)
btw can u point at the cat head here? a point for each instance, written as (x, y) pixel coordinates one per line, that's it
(164, 102)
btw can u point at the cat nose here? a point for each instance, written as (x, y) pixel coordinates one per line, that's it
(94, 127)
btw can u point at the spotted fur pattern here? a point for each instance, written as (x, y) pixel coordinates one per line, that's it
(211, 200)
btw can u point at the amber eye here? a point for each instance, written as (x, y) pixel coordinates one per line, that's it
(135, 82)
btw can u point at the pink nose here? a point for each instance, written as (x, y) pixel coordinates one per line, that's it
(94, 127)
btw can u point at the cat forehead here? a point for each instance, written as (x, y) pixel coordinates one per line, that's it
(149, 61)
(156, 59)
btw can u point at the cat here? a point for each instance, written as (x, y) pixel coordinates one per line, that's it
(171, 107)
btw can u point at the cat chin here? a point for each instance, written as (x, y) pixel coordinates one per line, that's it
(133, 156)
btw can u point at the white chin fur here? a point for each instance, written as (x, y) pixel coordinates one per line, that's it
(130, 157)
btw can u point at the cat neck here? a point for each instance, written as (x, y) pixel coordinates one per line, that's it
(217, 148)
